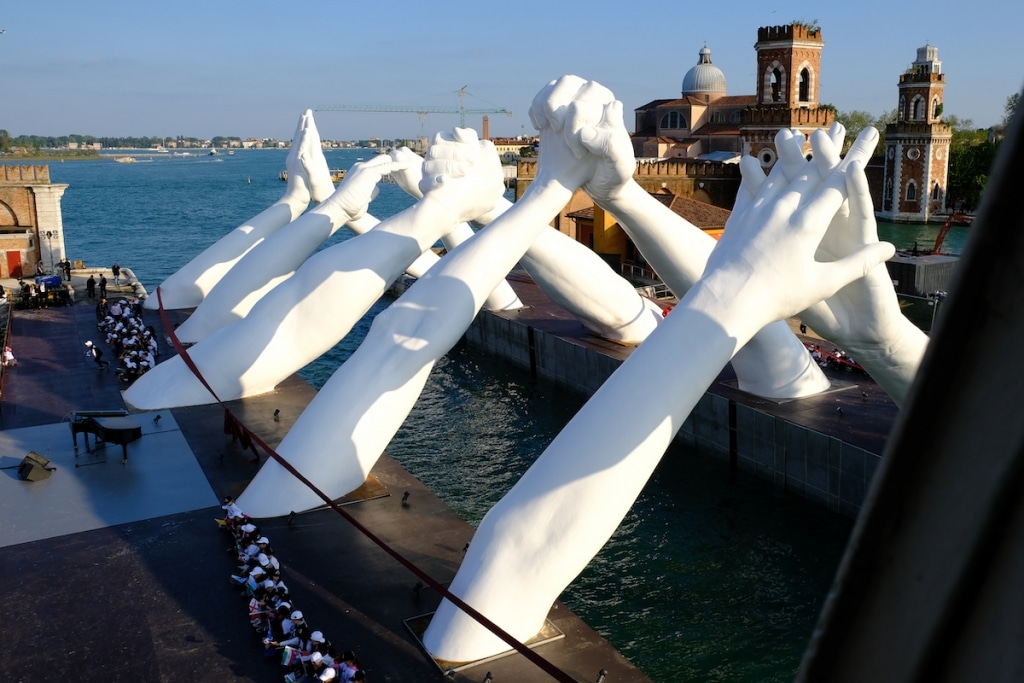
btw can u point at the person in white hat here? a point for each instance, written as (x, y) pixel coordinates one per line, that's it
(96, 353)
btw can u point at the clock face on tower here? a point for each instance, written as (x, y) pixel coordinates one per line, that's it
(913, 153)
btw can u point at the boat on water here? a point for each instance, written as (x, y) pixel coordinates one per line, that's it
(125, 160)
(337, 174)
(213, 152)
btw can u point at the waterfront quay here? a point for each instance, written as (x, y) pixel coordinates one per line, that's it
(118, 571)
(825, 448)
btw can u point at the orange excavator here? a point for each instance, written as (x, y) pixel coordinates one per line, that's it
(954, 218)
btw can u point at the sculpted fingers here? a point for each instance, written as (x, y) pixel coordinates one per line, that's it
(826, 153)
(862, 208)
(863, 146)
(408, 170)
(857, 265)
(790, 145)
(837, 133)
(548, 110)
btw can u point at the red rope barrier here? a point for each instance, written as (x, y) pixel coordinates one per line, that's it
(511, 641)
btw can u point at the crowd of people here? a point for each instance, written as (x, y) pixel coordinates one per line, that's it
(41, 295)
(305, 654)
(131, 340)
(836, 358)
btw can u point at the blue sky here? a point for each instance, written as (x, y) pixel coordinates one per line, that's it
(224, 67)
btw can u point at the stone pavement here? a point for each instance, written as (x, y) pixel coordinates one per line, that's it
(116, 571)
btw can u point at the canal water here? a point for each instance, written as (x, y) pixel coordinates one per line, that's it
(713, 576)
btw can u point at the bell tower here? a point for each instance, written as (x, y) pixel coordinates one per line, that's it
(917, 145)
(788, 78)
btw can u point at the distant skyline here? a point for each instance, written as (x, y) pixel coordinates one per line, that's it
(249, 70)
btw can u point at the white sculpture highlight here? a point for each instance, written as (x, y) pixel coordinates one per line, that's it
(864, 318)
(308, 179)
(279, 255)
(549, 525)
(801, 238)
(426, 321)
(334, 287)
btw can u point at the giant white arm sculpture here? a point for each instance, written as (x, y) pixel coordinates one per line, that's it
(773, 363)
(308, 178)
(864, 317)
(552, 522)
(575, 278)
(380, 383)
(278, 256)
(306, 314)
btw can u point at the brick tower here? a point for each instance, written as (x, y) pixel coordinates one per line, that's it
(788, 78)
(917, 145)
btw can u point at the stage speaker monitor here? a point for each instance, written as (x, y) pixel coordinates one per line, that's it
(34, 467)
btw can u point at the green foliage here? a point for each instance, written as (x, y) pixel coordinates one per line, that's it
(527, 151)
(812, 26)
(857, 120)
(1011, 107)
(971, 155)
(958, 124)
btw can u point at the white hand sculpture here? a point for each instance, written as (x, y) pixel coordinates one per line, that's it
(864, 318)
(277, 257)
(332, 289)
(552, 522)
(774, 363)
(379, 384)
(571, 275)
(307, 172)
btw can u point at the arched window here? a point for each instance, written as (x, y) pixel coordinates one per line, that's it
(776, 85)
(917, 110)
(888, 188)
(901, 113)
(718, 117)
(735, 116)
(673, 120)
(805, 85)
(936, 108)
(935, 191)
(911, 192)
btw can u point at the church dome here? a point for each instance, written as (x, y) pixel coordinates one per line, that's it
(705, 78)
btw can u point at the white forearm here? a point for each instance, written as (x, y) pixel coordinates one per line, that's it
(774, 363)
(894, 363)
(558, 516)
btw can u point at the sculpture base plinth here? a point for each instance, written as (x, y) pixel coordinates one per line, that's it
(418, 626)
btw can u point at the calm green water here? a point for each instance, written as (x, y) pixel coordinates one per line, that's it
(711, 577)
(906, 236)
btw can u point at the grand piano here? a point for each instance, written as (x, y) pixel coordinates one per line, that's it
(108, 426)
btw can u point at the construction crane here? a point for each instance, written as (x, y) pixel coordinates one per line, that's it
(421, 111)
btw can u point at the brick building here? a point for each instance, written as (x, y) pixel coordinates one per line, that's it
(31, 223)
(916, 173)
(707, 123)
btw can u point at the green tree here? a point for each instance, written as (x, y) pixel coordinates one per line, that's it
(971, 154)
(5, 141)
(857, 120)
(958, 124)
(1011, 107)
